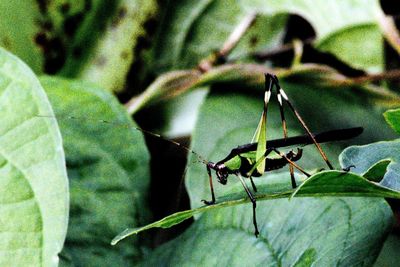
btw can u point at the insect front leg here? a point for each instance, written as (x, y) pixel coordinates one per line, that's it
(211, 188)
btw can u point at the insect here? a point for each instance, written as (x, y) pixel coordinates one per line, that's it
(251, 160)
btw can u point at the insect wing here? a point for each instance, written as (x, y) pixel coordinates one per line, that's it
(260, 136)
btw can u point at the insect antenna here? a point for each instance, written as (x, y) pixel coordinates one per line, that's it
(149, 133)
(198, 156)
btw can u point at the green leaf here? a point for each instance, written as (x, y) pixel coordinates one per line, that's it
(34, 186)
(77, 26)
(50, 35)
(338, 26)
(376, 172)
(300, 232)
(236, 116)
(24, 16)
(363, 157)
(108, 172)
(95, 40)
(392, 117)
(322, 184)
(339, 183)
(345, 44)
(389, 255)
(119, 46)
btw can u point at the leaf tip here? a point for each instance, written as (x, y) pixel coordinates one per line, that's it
(127, 232)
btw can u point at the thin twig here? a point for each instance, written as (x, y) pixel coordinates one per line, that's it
(263, 55)
(230, 43)
(237, 34)
(387, 75)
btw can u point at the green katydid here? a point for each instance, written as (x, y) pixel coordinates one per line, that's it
(251, 160)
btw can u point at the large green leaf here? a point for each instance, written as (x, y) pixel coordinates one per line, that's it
(327, 183)
(34, 185)
(108, 172)
(338, 26)
(379, 161)
(300, 232)
(364, 157)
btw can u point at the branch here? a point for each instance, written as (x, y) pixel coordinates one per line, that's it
(230, 43)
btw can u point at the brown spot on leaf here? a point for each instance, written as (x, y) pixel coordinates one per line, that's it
(71, 24)
(77, 52)
(64, 8)
(101, 61)
(121, 14)
(41, 40)
(150, 25)
(253, 41)
(124, 54)
(47, 25)
(43, 5)
(53, 52)
(6, 42)
(88, 5)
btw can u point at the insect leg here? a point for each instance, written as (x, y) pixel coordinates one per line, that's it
(279, 96)
(292, 178)
(253, 200)
(348, 168)
(267, 152)
(211, 188)
(253, 184)
(291, 162)
(296, 113)
(249, 174)
(291, 169)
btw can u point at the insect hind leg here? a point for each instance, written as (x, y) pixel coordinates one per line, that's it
(283, 96)
(284, 127)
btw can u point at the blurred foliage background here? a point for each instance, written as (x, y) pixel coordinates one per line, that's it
(193, 71)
